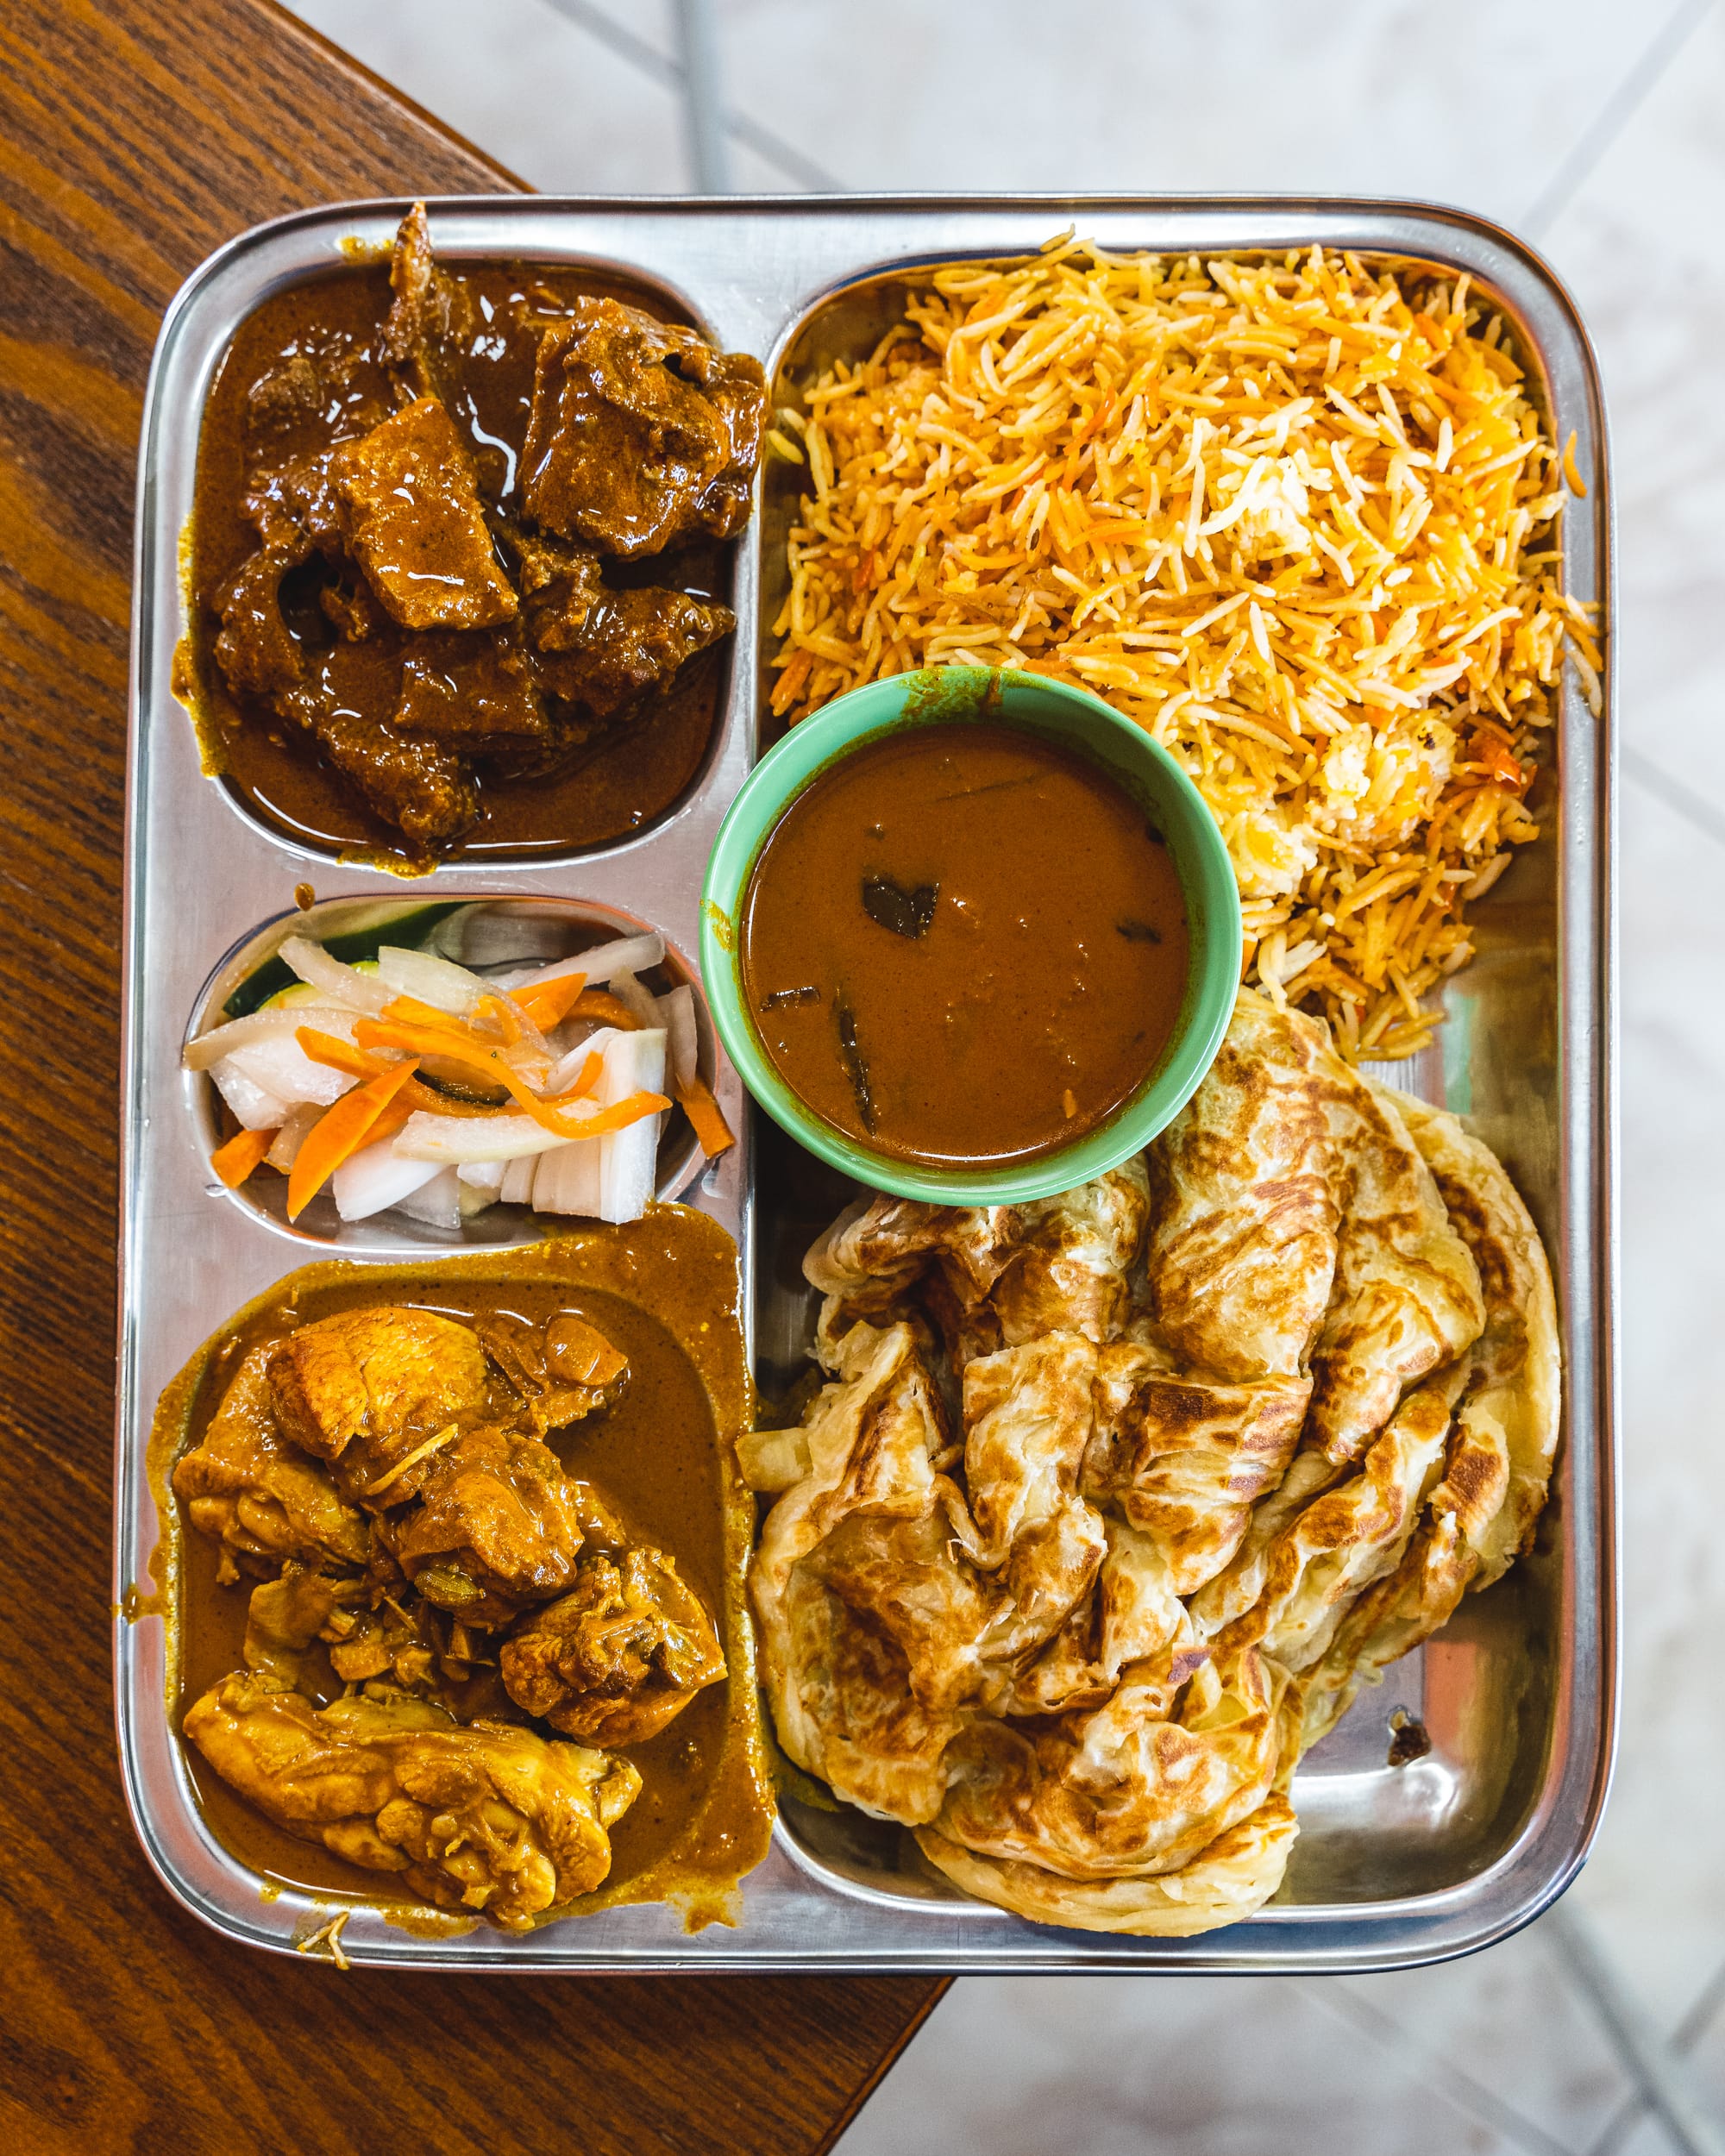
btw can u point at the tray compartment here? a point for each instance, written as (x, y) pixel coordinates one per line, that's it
(576, 926)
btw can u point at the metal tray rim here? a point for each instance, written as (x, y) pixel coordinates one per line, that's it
(1398, 1933)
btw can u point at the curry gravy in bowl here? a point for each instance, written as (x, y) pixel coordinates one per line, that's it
(970, 936)
(964, 942)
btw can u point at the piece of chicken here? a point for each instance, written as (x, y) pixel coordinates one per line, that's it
(378, 1392)
(619, 1655)
(255, 1495)
(488, 1818)
(561, 1372)
(497, 1523)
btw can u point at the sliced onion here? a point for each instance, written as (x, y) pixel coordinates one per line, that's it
(490, 934)
(292, 1136)
(677, 1016)
(377, 1177)
(517, 1187)
(634, 998)
(282, 1066)
(429, 980)
(629, 1159)
(437, 1203)
(451, 1139)
(209, 1048)
(365, 992)
(256, 1109)
(630, 953)
(483, 1174)
(564, 1073)
(567, 1179)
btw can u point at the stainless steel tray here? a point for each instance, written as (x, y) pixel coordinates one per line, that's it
(1395, 1867)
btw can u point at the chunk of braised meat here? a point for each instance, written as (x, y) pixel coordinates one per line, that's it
(419, 784)
(378, 1393)
(619, 1655)
(560, 1371)
(256, 649)
(296, 509)
(640, 432)
(350, 607)
(411, 511)
(497, 1523)
(626, 643)
(489, 1818)
(260, 1500)
(431, 313)
(472, 690)
(563, 577)
(296, 512)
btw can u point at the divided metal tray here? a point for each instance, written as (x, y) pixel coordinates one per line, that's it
(1395, 1865)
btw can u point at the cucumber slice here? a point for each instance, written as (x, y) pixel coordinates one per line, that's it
(356, 947)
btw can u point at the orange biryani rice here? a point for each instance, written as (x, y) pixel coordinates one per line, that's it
(1294, 517)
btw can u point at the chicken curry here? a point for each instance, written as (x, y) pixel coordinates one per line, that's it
(456, 561)
(461, 1603)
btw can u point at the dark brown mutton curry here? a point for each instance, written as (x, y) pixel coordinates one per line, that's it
(456, 556)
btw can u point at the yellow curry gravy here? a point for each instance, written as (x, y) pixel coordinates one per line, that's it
(664, 1292)
(964, 943)
(625, 778)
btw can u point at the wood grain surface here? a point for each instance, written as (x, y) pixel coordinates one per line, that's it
(134, 138)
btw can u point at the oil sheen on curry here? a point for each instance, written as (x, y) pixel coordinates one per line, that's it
(460, 1609)
(964, 943)
(457, 568)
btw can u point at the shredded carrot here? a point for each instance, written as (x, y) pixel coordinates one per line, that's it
(588, 1077)
(336, 1053)
(1577, 485)
(605, 1121)
(235, 1160)
(547, 1003)
(340, 1131)
(599, 1003)
(497, 1011)
(711, 1130)
(339, 1054)
(415, 1012)
(493, 1064)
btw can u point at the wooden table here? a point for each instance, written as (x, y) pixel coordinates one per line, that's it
(134, 138)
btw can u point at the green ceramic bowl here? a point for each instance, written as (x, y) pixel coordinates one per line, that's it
(940, 696)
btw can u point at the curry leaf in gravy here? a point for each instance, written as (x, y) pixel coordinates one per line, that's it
(851, 1056)
(1137, 931)
(906, 913)
(782, 999)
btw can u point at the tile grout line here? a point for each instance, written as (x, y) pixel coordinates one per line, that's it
(1687, 2033)
(1613, 115)
(659, 67)
(1460, 2089)
(1654, 779)
(1667, 2089)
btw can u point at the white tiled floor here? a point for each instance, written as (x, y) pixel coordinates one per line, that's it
(1597, 126)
